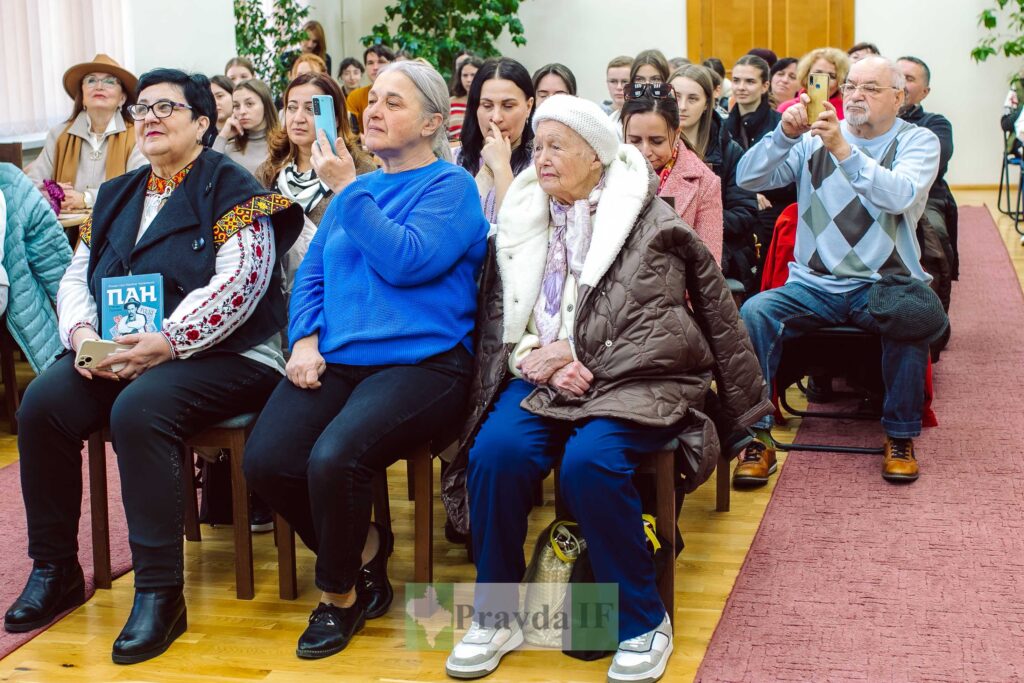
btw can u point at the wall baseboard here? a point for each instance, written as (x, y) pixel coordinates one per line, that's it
(970, 188)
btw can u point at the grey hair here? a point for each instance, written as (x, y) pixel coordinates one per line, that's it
(433, 96)
(899, 81)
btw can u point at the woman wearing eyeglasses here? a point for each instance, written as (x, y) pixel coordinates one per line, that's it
(650, 122)
(824, 60)
(213, 235)
(97, 142)
(708, 135)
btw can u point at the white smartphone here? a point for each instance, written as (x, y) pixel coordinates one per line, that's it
(92, 351)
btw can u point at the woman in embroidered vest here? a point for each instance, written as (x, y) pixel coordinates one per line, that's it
(650, 122)
(253, 118)
(603, 319)
(496, 133)
(212, 234)
(381, 326)
(97, 143)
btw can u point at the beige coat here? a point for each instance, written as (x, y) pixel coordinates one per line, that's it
(92, 172)
(655, 322)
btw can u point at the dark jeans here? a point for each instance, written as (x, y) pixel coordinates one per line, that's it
(794, 309)
(313, 453)
(148, 418)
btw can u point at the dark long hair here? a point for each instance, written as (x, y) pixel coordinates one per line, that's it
(665, 107)
(281, 150)
(560, 70)
(472, 136)
(762, 66)
(457, 90)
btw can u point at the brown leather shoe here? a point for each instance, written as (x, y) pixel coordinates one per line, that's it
(755, 465)
(899, 464)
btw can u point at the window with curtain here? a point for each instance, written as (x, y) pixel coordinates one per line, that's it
(40, 40)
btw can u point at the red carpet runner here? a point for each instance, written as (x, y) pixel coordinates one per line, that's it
(853, 579)
(14, 562)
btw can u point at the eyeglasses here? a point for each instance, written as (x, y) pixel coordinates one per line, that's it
(658, 91)
(161, 109)
(94, 82)
(869, 89)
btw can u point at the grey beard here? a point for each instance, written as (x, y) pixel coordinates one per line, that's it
(856, 118)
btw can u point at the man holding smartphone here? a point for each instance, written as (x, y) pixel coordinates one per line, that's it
(862, 185)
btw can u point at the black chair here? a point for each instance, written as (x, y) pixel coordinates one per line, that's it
(839, 351)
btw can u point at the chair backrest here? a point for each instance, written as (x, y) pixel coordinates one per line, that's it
(11, 153)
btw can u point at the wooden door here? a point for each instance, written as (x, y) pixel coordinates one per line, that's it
(727, 29)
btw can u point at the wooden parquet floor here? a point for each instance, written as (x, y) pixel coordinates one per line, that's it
(237, 640)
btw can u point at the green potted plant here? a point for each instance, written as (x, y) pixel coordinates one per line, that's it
(283, 26)
(439, 31)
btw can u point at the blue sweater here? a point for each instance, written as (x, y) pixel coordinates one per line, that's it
(390, 277)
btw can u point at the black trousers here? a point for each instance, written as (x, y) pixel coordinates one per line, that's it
(148, 418)
(313, 453)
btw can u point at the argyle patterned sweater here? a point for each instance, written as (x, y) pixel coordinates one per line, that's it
(857, 218)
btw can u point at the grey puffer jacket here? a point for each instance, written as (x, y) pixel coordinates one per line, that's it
(655, 321)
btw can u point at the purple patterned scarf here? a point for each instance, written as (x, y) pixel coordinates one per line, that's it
(572, 229)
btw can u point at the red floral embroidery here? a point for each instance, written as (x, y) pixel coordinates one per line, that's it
(215, 319)
(237, 301)
(192, 335)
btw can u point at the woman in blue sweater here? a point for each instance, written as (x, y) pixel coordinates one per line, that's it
(382, 314)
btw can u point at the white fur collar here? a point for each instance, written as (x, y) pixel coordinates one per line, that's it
(522, 238)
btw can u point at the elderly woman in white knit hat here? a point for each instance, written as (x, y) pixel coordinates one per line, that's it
(603, 322)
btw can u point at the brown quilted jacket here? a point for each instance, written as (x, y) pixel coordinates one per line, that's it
(655, 321)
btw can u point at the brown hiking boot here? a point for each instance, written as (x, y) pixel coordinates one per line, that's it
(755, 465)
(899, 464)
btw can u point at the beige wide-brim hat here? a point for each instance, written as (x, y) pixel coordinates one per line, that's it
(104, 64)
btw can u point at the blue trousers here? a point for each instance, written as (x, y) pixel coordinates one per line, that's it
(774, 316)
(515, 449)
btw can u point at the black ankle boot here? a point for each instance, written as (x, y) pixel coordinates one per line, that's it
(374, 589)
(330, 630)
(158, 617)
(52, 587)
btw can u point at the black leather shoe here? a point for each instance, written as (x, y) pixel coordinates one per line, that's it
(330, 629)
(52, 587)
(374, 589)
(158, 617)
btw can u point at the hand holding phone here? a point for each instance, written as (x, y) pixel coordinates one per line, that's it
(92, 351)
(817, 90)
(325, 120)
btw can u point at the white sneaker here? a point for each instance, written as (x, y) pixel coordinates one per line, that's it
(643, 659)
(480, 650)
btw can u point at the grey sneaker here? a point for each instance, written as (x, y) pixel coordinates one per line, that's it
(480, 650)
(643, 659)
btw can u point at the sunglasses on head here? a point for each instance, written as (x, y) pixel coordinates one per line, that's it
(658, 91)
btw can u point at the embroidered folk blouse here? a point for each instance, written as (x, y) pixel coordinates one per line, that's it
(207, 315)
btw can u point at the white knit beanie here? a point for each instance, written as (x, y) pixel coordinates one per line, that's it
(584, 117)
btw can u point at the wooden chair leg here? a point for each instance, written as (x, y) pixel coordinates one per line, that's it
(722, 481)
(188, 481)
(98, 506)
(244, 585)
(410, 474)
(288, 586)
(422, 466)
(666, 525)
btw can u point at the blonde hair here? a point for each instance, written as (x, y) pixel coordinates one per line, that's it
(838, 58)
(318, 64)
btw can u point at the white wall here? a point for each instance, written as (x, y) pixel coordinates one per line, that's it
(585, 34)
(942, 33)
(193, 35)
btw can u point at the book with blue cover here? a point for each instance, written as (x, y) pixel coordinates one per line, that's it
(131, 305)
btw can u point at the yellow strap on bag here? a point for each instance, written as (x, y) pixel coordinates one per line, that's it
(649, 530)
(559, 553)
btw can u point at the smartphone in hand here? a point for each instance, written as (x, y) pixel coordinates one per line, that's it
(817, 90)
(325, 120)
